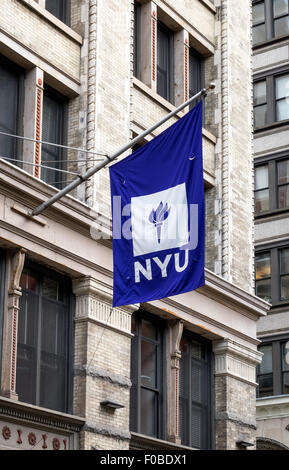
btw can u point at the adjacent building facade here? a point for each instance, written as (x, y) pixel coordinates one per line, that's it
(271, 149)
(75, 373)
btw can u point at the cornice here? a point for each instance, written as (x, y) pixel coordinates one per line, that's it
(15, 411)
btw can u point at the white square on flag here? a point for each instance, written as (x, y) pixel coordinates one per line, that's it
(160, 220)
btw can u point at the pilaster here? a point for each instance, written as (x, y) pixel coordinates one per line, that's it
(149, 45)
(33, 120)
(175, 334)
(15, 265)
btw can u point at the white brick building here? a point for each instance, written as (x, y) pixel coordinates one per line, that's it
(92, 74)
(271, 152)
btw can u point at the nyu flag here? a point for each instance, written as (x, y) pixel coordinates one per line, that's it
(158, 215)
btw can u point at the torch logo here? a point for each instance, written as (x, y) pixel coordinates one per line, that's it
(158, 216)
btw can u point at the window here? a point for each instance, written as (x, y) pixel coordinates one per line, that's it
(165, 62)
(2, 293)
(265, 372)
(196, 75)
(273, 372)
(147, 375)
(53, 130)
(263, 276)
(195, 393)
(43, 351)
(272, 186)
(270, 20)
(60, 9)
(284, 273)
(11, 84)
(272, 275)
(271, 99)
(137, 40)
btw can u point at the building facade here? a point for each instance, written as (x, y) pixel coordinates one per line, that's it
(271, 148)
(75, 373)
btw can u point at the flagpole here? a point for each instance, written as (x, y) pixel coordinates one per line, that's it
(81, 178)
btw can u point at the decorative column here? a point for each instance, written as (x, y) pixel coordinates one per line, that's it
(235, 388)
(102, 366)
(181, 65)
(33, 120)
(149, 45)
(15, 266)
(175, 334)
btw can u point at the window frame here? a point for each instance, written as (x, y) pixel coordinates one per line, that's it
(273, 186)
(269, 24)
(209, 444)
(60, 177)
(274, 249)
(135, 418)
(46, 272)
(277, 368)
(270, 78)
(170, 55)
(20, 72)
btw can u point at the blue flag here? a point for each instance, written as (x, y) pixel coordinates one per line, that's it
(159, 214)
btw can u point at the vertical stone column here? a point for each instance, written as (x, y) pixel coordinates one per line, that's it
(149, 45)
(174, 356)
(236, 131)
(181, 65)
(15, 266)
(33, 120)
(102, 366)
(235, 387)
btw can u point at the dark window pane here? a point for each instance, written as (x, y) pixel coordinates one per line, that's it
(148, 330)
(286, 383)
(285, 356)
(60, 9)
(28, 281)
(148, 364)
(164, 61)
(42, 355)
(196, 377)
(280, 7)
(263, 289)
(263, 265)
(27, 347)
(52, 131)
(259, 33)
(281, 26)
(266, 365)
(196, 427)
(195, 75)
(262, 201)
(283, 196)
(285, 287)
(9, 107)
(260, 115)
(283, 172)
(149, 413)
(266, 385)
(258, 13)
(284, 261)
